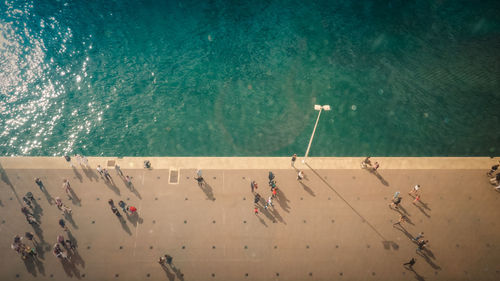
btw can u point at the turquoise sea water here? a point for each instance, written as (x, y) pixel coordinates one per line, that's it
(240, 78)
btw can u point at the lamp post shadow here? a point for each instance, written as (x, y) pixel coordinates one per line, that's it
(346, 202)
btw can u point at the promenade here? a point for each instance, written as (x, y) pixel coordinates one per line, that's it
(334, 225)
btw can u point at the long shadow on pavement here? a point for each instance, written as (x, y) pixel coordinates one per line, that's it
(417, 276)
(123, 222)
(307, 189)
(89, 173)
(74, 198)
(77, 174)
(170, 275)
(111, 184)
(70, 269)
(131, 187)
(30, 266)
(347, 203)
(378, 175)
(69, 217)
(5, 179)
(429, 261)
(283, 201)
(207, 189)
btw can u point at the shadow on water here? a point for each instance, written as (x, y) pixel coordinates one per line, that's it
(6, 180)
(282, 200)
(346, 202)
(207, 189)
(77, 174)
(306, 188)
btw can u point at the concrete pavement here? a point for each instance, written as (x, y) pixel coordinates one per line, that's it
(335, 225)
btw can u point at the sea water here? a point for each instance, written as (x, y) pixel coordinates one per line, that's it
(241, 78)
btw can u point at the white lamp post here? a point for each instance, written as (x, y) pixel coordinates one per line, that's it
(320, 108)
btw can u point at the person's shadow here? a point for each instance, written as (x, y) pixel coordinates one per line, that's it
(282, 200)
(30, 266)
(417, 276)
(306, 188)
(170, 275)
(89, 173)
(379, 176)
(74, 198)
(207, 189)
(112, 186)
(77, 174)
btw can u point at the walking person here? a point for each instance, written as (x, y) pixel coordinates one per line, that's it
(273, 185)
(395, 202)
(417, 199)
(253, 186)
(275, 193)
(415, 189)
(68, 159)
(300, 175)
(269, 202)
(420, 235)
(132, 210)
(422, 244)
(271, 176)
(122, 205)
(256, 210)
(99, 170)
(493, 169)
(30, 236)
(294, 157)
(118, 170)
(410, 263)
(107, 176)
(375, 166)
(129, 180)
(85, 161)
(60, 240)
(365, 163)
(62, 223)
(38, 181)
(199, 178)
(67, 188)
(78, 159)
(257, 198)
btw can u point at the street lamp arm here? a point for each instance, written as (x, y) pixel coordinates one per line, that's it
(312, 136)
